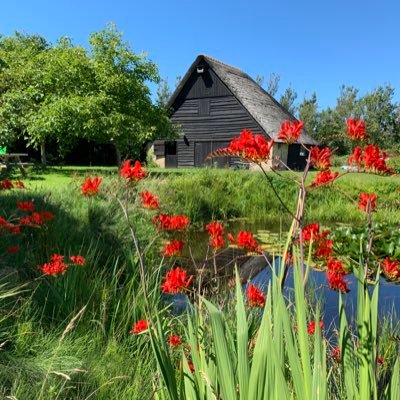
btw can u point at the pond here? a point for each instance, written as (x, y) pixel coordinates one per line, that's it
(272, 235)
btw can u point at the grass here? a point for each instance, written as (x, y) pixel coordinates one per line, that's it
(96, 358)
(203, 194)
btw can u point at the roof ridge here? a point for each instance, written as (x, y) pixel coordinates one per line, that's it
(212, 59)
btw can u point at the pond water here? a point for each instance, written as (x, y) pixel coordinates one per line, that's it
(271, 234)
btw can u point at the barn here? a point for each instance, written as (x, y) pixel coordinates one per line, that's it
(213, 103)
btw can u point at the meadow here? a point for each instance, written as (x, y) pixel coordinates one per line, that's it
(68, 336)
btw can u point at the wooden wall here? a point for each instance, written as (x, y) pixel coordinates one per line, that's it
(208, 112)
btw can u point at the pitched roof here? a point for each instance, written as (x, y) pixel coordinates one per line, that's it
(264, 109)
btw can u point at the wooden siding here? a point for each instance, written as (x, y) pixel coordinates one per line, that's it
(226, 119)
(202, 85)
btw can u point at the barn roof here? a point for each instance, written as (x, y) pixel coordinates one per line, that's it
(265, 110)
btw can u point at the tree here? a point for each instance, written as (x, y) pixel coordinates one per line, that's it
(260, 80)
(273, 84)
(380, 114)
(288, 98)
(308, 112)
(163, 93)
(63, 93)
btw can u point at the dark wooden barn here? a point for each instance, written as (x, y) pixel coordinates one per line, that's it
(213, 103)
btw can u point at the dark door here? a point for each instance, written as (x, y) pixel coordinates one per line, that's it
(297, 157)
(171, 158)
(201, 152)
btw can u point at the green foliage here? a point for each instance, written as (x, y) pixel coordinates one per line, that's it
(64, 92)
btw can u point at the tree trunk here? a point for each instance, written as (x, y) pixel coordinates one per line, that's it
(43, 152)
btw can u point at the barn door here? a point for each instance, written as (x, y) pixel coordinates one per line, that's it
(171, 158)
(201, 152)
(297, 157)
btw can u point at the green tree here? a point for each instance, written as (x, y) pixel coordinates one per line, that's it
(163, 93)
(273, 84)
(62, 93)
(308, 112)
(288, 99)
(380, 114)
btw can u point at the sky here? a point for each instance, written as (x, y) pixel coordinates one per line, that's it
(313, 45)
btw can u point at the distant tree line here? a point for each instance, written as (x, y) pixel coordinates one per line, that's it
(63, 92)
(377, 107)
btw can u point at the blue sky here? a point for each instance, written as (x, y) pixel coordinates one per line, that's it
(314, 45)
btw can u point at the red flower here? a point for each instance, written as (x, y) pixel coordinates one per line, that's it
(20, 184)
(248, 147)
(13, 249)
(8, 226)
(337, 282)
(37, 218)
(77, 260)
(311, 232)
(135, 173)
(149, 200)
(367, 200)
(255, 296)
(173, 248)
(6, 184)
(174, 341)
(374, 161)
(176, 281)
(356, 129)
(391, 268)
(214, 228)
(216, 232)
(245, 240)
(27, 206)
(56, 266)
(139, 327)
(335, 354)
(312, 325)
(324, 249)
(290, 132)
(217, 242)
(171, 223)
(90, 187)
(336, 266)
(320, 159)
(356, 158)
(380, 360)
(324, 178)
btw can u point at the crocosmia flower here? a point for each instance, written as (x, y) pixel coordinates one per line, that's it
(245, 241)
(90, 187)
(77, 260)
(55, 267)
(27, 206)
(171, 222)
(391, 268)
(356, 158)
(176, 281)
(324, 178)
(291, 131)
(367, 202)
(6, 184)
(255, 297)
(139, 327)
(356, 129)
(149, 200)
(13, 249)
(174, 341)
(133, 173)
(216, 232)
(249, 147)
(173, 248)
(320, 159)
(337, 282)
(312, 325)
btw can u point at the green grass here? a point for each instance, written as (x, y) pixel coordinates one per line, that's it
(97, 358)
